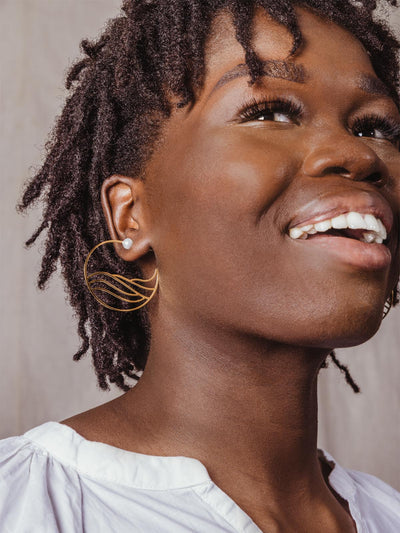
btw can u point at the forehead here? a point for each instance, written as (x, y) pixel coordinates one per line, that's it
(325, 44)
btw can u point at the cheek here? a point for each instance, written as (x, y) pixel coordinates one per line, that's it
(211, 189)
(222, 174)
(211, 195)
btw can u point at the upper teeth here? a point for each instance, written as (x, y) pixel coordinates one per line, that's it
(376, 231)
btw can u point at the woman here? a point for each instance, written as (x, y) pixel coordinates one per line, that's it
(243, 158)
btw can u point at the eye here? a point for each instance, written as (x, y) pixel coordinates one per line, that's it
(276, 110)
(376, 127)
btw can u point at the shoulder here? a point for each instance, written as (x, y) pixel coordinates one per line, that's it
(32, 487)
(377, 502)
(373, 502)
(375, 491)
(54, 480)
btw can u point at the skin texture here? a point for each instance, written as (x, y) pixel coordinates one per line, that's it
(244, 315)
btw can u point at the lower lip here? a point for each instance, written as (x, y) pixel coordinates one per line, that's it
(361, 255)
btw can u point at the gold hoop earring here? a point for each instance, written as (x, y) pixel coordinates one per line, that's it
(95, 282)
(388, 304)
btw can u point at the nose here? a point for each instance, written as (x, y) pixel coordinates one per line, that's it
(347, 156)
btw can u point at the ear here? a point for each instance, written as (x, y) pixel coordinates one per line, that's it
(122, 199)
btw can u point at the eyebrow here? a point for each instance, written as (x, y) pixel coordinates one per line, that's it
(372, 85)
(273, 68)
(296, 72)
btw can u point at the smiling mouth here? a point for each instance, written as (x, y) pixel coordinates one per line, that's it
(352, 225)
(349, 247)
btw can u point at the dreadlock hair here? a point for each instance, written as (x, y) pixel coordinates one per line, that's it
(119, 97)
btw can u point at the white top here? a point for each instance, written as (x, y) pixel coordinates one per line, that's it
(52, 480)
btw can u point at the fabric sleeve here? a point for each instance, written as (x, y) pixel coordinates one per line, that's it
(37, 494)
(379, 503)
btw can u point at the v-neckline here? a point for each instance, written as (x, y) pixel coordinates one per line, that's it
(153, 472)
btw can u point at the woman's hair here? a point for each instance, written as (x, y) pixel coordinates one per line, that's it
(120, 94)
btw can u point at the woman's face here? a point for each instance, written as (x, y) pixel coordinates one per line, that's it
(225, 186)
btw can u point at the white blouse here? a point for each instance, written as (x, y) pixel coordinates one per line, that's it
(52, 480)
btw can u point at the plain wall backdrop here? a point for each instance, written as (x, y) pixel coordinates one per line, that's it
(39, 380)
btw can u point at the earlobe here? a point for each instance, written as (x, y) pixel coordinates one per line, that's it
(122, 203)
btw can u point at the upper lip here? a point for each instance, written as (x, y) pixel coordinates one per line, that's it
(362, 202)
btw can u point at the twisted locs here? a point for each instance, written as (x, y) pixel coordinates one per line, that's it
(389, 303)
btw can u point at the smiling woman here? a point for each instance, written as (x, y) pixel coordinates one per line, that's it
(215, 163)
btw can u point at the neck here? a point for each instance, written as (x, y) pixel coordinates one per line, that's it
(236, 404)
(245, 408)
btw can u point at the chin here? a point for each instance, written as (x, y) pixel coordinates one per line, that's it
(359, 328)
(341, 328)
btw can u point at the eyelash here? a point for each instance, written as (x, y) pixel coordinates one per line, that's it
(389, 127)
(256, 108)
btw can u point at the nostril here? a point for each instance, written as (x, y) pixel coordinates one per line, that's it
(375, 177)
(337, 170)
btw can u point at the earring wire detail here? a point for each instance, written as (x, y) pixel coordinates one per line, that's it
(124, 289)
(388, 304)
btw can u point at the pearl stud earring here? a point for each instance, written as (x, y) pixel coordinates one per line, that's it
(127, 243)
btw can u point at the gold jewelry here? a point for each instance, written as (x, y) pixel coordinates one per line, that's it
(95, 283)
(388, 304)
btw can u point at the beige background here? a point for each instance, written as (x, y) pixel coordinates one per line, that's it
(39, 380)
